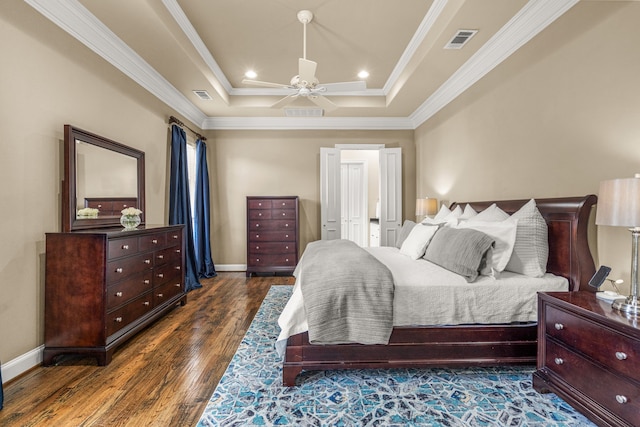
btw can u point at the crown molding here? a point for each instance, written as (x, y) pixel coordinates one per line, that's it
(307, 123)
(76, 20)
(534, 17)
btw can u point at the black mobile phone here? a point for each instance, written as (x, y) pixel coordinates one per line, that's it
(598, 279)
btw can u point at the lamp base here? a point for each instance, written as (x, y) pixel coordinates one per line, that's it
(628, 305)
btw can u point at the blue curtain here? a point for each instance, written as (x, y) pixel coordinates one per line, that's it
(179, 205)
(201, 219)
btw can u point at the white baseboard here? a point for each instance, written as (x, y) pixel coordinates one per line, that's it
(231, 267)
(22, 364)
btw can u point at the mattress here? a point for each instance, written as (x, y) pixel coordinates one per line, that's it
(426, 294)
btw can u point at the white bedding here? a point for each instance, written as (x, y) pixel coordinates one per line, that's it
(426, 294)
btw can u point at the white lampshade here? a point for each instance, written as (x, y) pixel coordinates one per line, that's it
(427, 206)
(619, 202)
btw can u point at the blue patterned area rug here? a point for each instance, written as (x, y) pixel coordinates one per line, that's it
(250, 392)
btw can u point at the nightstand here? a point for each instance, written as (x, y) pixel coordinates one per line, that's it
(589, 355)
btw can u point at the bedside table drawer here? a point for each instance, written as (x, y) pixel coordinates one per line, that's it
(618, 395)
(612, 349)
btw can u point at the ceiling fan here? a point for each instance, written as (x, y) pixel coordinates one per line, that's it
(305, 84)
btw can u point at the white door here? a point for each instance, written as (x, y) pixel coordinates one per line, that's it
(330, 193)
(354, 202)
(390, 195)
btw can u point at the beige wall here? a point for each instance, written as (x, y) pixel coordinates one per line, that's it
(48, 79)
(281, 163)
(555, 119)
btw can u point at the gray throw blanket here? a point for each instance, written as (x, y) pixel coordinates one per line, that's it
(347, 292)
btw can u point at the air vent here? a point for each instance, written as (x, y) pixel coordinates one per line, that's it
(303, 112)
(460, 38)
(203, 94)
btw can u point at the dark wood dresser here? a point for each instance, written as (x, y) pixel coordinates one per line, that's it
(104, 285)
(272, 234)
(589, 355)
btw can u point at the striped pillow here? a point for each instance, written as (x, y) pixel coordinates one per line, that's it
(531, 249)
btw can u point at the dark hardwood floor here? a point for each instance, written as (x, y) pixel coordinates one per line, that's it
(164, 376)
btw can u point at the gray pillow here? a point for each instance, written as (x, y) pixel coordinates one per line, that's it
(460, 250)
(404, 232)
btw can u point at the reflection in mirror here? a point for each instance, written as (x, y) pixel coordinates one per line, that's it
(101, 177)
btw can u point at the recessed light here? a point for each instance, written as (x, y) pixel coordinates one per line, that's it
(251, 74)
(363, 74)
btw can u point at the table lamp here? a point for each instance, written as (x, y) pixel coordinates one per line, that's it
(426, 206)
(619, 206)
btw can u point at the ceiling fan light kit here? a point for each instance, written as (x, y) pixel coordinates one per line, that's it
(305, 84)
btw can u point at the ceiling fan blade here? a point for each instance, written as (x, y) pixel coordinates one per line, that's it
(264, 84)
(323, 102)
(345, 86)
(307, 70)
(285, 101)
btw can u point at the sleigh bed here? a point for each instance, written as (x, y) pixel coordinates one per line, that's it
(476, 344)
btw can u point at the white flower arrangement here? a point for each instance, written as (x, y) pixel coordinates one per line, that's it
(88, 212)
(130, 211)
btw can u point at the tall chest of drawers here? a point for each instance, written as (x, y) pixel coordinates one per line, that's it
(589, 355)
(272, 234)
(104, 286)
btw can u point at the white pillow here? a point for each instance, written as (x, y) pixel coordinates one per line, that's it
(468, 213)
(492, 213)
(531, 249)
(445, 216)
(416, 242)
(504, 234)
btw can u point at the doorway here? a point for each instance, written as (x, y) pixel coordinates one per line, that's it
(384, 193)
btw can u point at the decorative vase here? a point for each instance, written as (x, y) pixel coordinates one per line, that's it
(130, 222)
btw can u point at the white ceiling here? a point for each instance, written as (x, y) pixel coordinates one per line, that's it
(173, 47)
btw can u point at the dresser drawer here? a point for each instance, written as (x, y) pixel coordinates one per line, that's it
(164, 256)
(128, 289)
(615, 350)
(260, 204)
(165, 292)
(260, 214)
(617, 394)
(272, 225)
(152, 241)
(283, 203)
(122, 247)
(259, 248)
(283, 214)
(122, 268)
(103, 206)
(272, 236)
(167, 272)
(272, 260)
(126, 314)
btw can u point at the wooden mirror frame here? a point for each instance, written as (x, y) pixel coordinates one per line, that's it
(70, 222)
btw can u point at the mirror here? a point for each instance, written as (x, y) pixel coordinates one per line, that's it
(102, 175)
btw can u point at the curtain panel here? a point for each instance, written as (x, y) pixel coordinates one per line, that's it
(202, 217)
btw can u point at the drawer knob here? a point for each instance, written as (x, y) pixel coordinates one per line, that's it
(178, 268)
(147, 261)
(559, 326)
(558, 360)
(154, 241)
(160, 295)
(286, 247)
(286, 235)
(118, 294)
(257, 225)
(118, 320)
(283, 203)
(146, 281)
(287, 260)
(161, 275)
(286, 225)
(259, 204)
(125, 247)
(177, 285)
(284, 214)
(124, 206)
(99, 206)
(257, 259)
(175, 236)
(119, 270)
(621, 398)
(620, 355)
(160, 256)
(146, 303)
(257, 247)
(257, 236)
(260, 214)
(178, 251)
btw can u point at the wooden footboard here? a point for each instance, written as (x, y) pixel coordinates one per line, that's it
(418, 347)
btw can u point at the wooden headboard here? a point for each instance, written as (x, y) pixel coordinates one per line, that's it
(567, 220)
